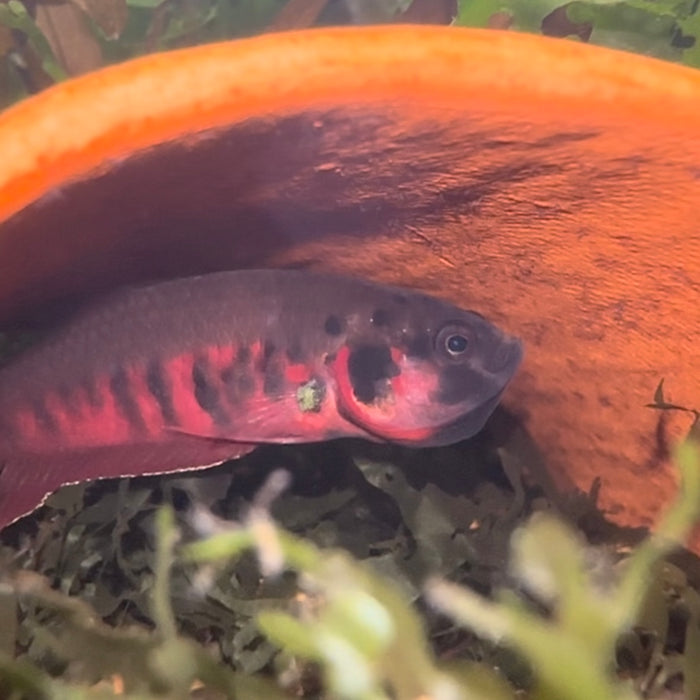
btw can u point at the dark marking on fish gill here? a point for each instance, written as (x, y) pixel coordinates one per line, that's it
(243, 355)
(420, 346)
(369, 366)
(459, 383)
(159, 386)
(334, 325)
(44, 418)
(125, 401)
(380, 317)
(206, 393)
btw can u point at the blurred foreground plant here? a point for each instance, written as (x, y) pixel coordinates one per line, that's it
(591, 605)
(367, 640)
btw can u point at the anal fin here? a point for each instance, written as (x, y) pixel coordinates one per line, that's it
(27, 479)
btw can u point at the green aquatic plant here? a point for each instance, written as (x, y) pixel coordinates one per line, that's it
(567, 615)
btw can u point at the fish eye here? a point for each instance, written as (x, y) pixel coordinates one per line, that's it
(454, 342)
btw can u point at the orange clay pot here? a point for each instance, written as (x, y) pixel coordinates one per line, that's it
(553, 186)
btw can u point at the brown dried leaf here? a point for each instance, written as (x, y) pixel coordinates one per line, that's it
(68, 32)
(109, 15)
(6, 41)
(500, 20)
(297, 14)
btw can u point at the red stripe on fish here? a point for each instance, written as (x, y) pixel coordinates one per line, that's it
(151, 417)
(297, 373)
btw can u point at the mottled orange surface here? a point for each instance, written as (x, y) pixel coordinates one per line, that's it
(551, 185)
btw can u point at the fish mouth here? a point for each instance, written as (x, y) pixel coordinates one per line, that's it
(508, 356)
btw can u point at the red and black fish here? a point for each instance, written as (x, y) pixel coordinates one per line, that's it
(191, 372)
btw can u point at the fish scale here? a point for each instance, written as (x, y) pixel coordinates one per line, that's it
(187, 373)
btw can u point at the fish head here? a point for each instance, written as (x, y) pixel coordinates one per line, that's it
(421, 372)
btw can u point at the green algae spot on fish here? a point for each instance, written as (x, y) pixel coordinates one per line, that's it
(191, 372)
(310, 395)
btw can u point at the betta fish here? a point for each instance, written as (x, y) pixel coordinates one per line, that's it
(191, 372)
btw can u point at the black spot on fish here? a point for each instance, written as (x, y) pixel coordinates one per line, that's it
(119, 385)
(44, 417)
(334, 325)
(274, 382)
(400, 299)
(420, 346)
(243, 355)
(160, 389)
(264, 358)
(272, 369)
(380, 317)
(460, 383)
(246, 384)
(268, 350)
(206, 394)
(369, 366)
(294, 353)
(238, 382)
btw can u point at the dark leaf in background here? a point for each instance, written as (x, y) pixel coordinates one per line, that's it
(429, 12)
(558, 23)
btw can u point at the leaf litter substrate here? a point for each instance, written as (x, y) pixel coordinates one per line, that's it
(408, 514)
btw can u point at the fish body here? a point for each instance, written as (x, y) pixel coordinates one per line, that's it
(190, 372)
